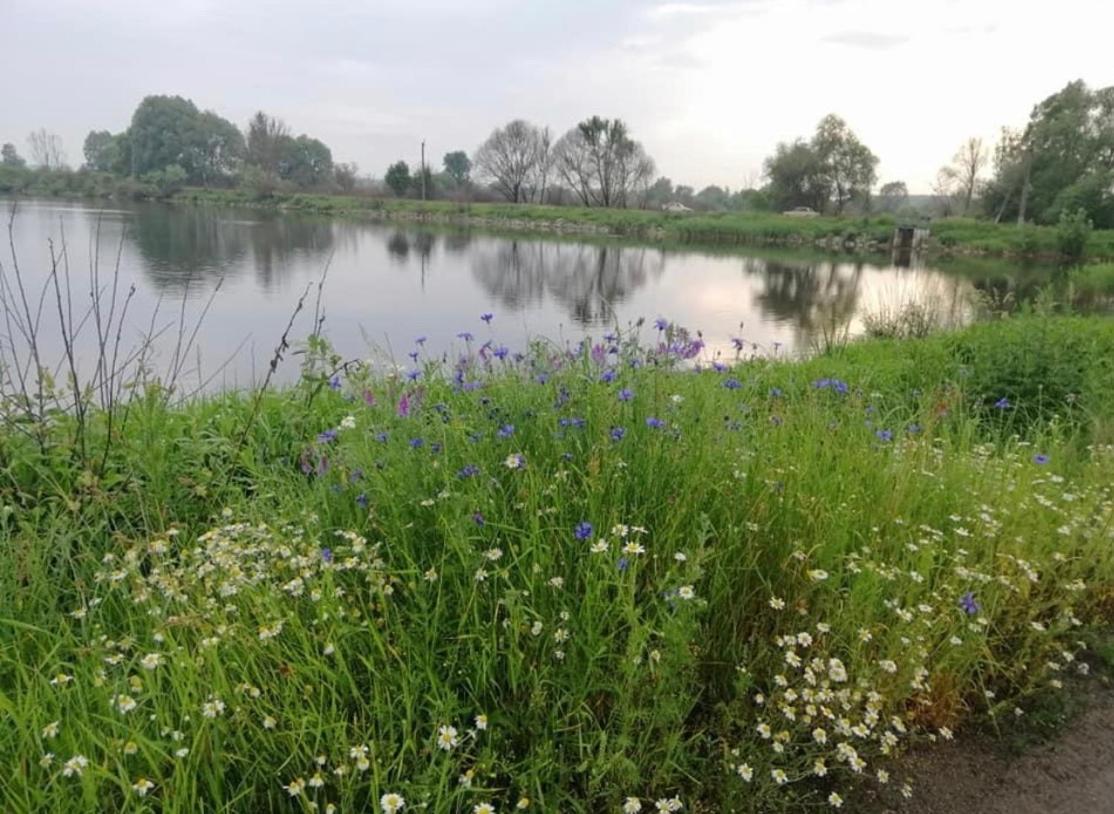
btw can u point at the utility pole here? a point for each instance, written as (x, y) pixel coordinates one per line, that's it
(423, 169)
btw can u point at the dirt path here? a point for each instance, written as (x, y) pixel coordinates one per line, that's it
(1071, 774)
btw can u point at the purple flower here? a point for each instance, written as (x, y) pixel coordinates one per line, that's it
(487, 318)
(661, 323)
(608, 375)
(468, 471)
(369, 398)
(654, 423)
(327, 554)
(361, 500)
(719, 367)
(885, 436)
(837, 385)
(1002, 404)
(478, 518)
(732, 384)
(327, 436)
(625, 394)
(738, 343)
(583, 530)
(382, 437)
(501, 352)
(404, 406)
(1040, 459)
(413, 355)
(416, 443)
(617, 433)
(622, 564)
(968, 603)
(506, 431)
(414, 375)
(420, 340)
(467, 337)
(775, 392)
(334, 382)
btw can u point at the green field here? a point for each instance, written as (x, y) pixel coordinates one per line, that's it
(553, 582)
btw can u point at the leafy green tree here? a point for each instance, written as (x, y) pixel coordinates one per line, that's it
(10, 157)
(100, 150)
(458, 166)
(796, 177)
(398, 178)
(848, 166)
(345, 176)
(714, 198)
(893, 195)
(305, 161)
(264, 141)
(1063, 158)
(169, 130)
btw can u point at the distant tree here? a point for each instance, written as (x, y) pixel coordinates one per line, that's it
(658, 194)
(509, 158)
(10, 157)
(398, 178)
(345, 176)
(265, 140)
(848, 165)
(46, 150)
(305, 161)
(830, 170)
(714, 198)
(796, 177)
(458, 166)
(893, 195)
(968, 162)
(416, 178)
(601, 162)
(170, 130)
(946, 190)
(101, 151)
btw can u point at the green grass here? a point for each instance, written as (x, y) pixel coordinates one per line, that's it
(790, 552)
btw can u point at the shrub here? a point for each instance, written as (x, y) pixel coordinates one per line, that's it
(1072, 234)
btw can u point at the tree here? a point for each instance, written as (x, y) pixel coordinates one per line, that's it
(658, 194)
(305, 161)
(101, 151)
(170, 130)
(510, 157)
(10, 157)
(714, 198)
(458, 166)
(847, 164)
(796, 177)
(398, 178)
(265, 136)
(1063, 159)
(968, 163)
(345, 176)
(216, 149)
(893, 195)
(599, 161)
(46, 150)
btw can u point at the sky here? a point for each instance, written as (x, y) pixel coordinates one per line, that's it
(708, 86)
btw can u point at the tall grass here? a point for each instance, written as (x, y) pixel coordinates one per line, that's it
(572, 579)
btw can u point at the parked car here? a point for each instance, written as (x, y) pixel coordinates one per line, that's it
(801, 212)
(675, 206)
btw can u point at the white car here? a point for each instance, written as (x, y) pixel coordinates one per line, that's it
(802, 212)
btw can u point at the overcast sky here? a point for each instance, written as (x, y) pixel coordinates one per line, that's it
(709, 86)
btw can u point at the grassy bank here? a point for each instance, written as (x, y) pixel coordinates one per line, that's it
(553, 582)
(964, 236)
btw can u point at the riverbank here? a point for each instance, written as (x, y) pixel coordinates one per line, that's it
(866, 234)
(554, 581)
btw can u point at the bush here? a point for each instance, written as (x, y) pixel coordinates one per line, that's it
(1072, 234)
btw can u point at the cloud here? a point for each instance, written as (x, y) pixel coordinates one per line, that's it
(871, 40)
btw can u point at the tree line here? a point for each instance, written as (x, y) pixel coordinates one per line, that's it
(1059, 165)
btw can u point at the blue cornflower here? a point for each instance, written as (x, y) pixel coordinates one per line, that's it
(334, 382)
(775, 392)
(583, 530)
(622, 564)
(487, 318)
(420, 340)
(414, 375)
(738, 343)
(608, 375)
(327, 554)
(1002, 404)
(661, 323)
(968, 603)
(625, 394)
(413, 355)
(478, 518)
(382, 437)
(416, 442)
(467, 337)
(327, 436)
(617, 433)
(719, 367)
(361, 500)
(506, 431)
(542, 378)
(468, 471)
(501, 352)
(885, 436)
(654, 423)
(838, 385)
(914, 429)
(1040, 459)
(732, 384)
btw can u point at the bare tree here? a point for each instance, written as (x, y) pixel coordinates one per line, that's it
(46, 149)
(968, 162)
(509, 158)
(945, 188)
(601, 162)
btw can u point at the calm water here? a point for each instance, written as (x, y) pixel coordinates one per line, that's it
(388, 284)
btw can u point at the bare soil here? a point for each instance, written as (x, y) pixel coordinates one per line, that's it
(1071, 773)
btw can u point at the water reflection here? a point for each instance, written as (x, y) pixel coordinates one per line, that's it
(589, 281)
(813, 297)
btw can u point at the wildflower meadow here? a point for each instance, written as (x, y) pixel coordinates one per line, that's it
(625, 575)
